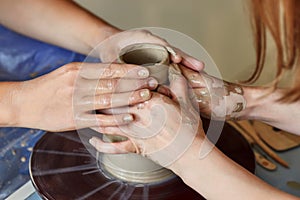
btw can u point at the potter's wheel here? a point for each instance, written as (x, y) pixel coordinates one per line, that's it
(62, 168)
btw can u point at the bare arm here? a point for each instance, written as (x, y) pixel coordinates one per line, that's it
(63, 99)
(213, 175)
(63, 23)
(66, 24)
(59, 22)
(285, 116)
(218, 177)
(242, 102)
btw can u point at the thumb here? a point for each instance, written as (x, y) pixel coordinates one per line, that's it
(178, 84)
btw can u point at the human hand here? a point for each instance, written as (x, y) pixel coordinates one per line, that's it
(163, 128)
(216, 98)
(110, 48)
(66, 98)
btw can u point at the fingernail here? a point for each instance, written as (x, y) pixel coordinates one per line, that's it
(127, 118)
(145, 94)
(92, 141)
(143, 73)
(152, 83)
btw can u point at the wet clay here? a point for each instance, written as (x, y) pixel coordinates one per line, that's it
(152, 56)
(217, 98)
(134, 167)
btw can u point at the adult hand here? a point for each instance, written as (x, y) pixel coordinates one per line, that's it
(66, 98)
(109, 49)
(163, 129)
(216, 98)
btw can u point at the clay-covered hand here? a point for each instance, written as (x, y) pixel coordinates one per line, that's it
(66, 98)
(163, 129)
(109, 49)
(216, 99)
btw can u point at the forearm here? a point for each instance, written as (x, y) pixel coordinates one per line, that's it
(59, 22)
(8, 105)
(266, 107)
(217, 177)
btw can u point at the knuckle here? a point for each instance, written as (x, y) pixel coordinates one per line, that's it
(107, 85)
(120, 69)
(107, 71)
(103, 100)
(111, 84)
(115, 70)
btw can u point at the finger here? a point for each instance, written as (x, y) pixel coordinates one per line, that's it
(162, 89)
(195, 78)
(124, 85)
(205, 110)
(112, 70)
(102, 120)
(186, 60)
(105, 86)
(112, 148)
(178, 86)
(105, 101)
(193, 63)
(201, 95)
(200, 98)
(109, 130)
(193, 98)
(175, 55)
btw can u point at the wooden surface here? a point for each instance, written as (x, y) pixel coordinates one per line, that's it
(277, 139)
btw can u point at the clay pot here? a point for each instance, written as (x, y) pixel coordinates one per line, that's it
(133, 167)
(152, 56)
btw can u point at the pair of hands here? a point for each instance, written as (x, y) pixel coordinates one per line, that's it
(167, 124)
(65, 98)
(163, 129)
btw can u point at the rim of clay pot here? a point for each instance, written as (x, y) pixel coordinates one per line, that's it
(154, 57)
(144, 54)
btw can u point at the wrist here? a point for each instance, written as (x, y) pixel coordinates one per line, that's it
(259, 101)
(189, 156)
(9, 106)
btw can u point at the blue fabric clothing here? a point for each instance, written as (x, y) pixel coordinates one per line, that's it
(23, 58)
